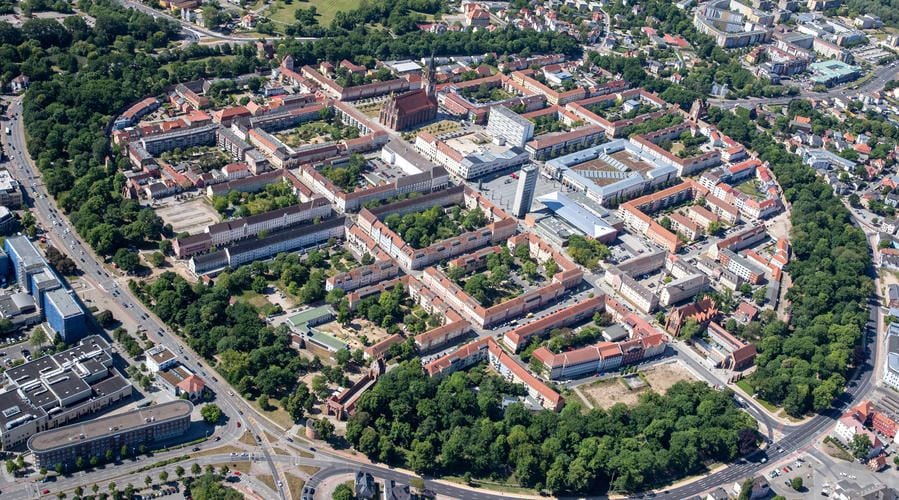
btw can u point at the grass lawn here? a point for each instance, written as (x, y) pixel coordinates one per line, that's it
(744, 384)
(256, 299)
(749, 187)
(267, 480)
(493, 486)
(221, 450)
(294, 485)
(247, 438)
(308, 469)
(278, 415)
(283, 14)
(168, 66)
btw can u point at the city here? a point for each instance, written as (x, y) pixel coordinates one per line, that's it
(431, 249)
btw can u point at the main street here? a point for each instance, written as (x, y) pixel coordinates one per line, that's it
(66, 239)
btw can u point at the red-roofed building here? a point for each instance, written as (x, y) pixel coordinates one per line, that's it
(192, 386)
(407, 110)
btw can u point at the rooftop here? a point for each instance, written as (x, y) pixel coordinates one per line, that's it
(109, 426)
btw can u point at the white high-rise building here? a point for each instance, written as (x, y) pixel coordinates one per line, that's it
(505, 123)
(524, 193)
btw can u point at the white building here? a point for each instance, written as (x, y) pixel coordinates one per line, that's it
(524, 192)
(891, 367)
(508, 125)
(160, 358)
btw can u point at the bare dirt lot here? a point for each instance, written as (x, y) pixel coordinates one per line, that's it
(354, 331)
(192, 216)
(660, 378)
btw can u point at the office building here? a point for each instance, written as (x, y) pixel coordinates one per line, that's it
(524, 193)
(58, 305)
(510, 126)
(10, 193)
(53, 390)
(93, 438)
(64, 315)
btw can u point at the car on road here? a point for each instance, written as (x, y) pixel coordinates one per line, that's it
(45, 492)
(196, 448)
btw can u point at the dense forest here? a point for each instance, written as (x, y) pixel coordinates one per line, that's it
(804, 367)
(458, 424)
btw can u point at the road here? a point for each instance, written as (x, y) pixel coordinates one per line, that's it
(64, 238)
(61, 235)
(195, 32)
(881, 76)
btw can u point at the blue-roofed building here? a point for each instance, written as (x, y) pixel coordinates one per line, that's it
(4, 267)
(65, 315)
(578, 216)
(24, 259)
(58, 305)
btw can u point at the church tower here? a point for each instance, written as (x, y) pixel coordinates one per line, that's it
(429, 79)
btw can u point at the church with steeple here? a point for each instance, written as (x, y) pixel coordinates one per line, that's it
(404, 111)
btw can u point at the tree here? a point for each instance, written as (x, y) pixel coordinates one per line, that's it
(324, 428)
(796, 483)
(156, 259)
(59, 468)
(110, 455)
(112, 486)
(746, 490)
(691, 329)
(105, 318)
(149, 480)
(38, 337)
(759, 296)
(127, 260)
(343, 492)
(211, 413)
(79, 463)
(860, 446)
(163, 476)
(179, 471)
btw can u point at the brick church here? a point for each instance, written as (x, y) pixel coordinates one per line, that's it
(409, 109)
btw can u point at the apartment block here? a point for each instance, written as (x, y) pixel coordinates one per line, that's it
(509, 126)
(488, 350)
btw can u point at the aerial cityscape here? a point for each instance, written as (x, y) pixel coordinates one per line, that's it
(412, 249)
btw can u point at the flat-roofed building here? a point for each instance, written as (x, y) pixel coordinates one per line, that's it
(510, 126)
(160, 358)
(10, 191)
(54, 390)
(93, 438)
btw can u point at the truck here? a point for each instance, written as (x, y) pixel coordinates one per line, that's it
(8, 131)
